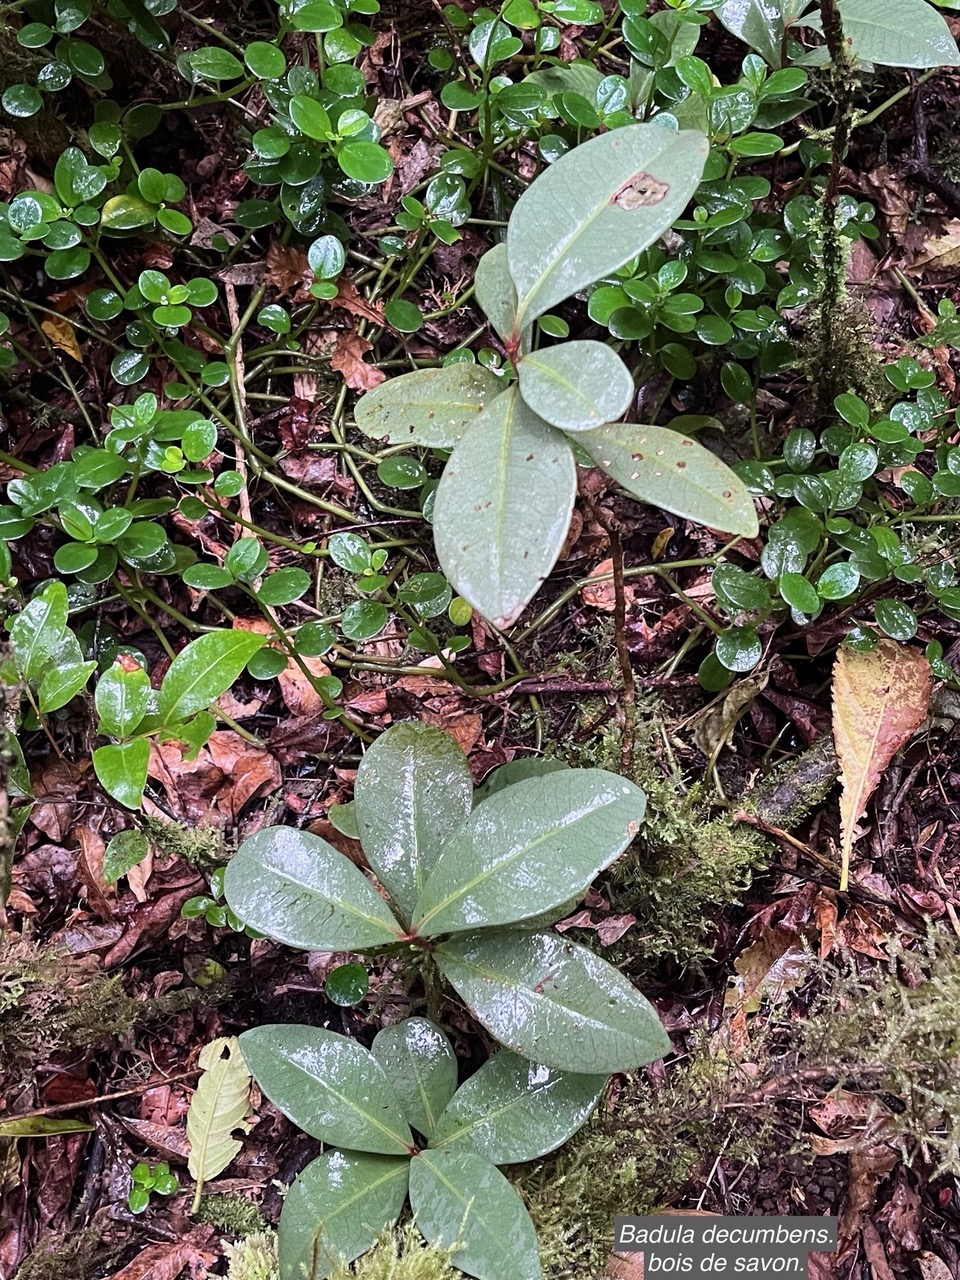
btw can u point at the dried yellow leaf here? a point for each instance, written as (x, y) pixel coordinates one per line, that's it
(62, 335)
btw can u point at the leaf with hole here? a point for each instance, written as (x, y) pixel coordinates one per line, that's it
(576, 385)
(329, 1085)
(413, 789)
(420, 1063)
(553, 1001)
(218, 1109)
(597, 207)
(301, 891)
(458, 1198)
(503, 508)
(530, 848)
(514, 1110)
(672, 471)
(431, 407)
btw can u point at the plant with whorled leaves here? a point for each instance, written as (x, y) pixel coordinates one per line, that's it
(505, 500)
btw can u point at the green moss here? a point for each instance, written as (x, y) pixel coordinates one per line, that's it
(896, 1032)
(61, 1257)
(51, 1002)
(402, 1254)
(255, 1257)
(233, 1214)
(201, 846)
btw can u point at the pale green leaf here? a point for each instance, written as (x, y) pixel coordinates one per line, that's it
(329, 1085)
(413, 787)
(41, 1127)
(336, 1209)
(217, 1110)
(553, 1001)
(430, 407)
(202, 671)
(422, 1067)
(576, 385)
(125, 851)
(298, 889)
(513, 1110)
(61, 683)
(36, 631)
(495, 291)
(672, 471)
(122, 770)
(529, 848)
(458, 1198)
(597, 207)
(898, 33)
(503, 508)
(512, 772)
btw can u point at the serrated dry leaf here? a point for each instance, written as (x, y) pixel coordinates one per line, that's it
(218, 1107)
(880, 699)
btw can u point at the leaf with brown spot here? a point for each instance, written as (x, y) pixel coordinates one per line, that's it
(880, 699)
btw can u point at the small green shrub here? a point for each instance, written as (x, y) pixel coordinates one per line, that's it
(471, 891)
(365, 1107)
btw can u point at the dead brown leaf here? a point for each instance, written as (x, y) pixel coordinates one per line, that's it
(167, 1261)
(350, 299)
(941, 252)
(288, 271)
(880, 699)
(933, 1268)
(875, 1253)
(347, 358)
(775, 963)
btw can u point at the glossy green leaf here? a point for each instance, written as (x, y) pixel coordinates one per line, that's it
(576, 385)
(122, 770)
(37, 630)
(61, 683)
(672, 471)
(336, 1209)
(420, 1064)
(310, 117)
(202, 671)
(125, 850)
(757, 23)
(431, 407)
(513, 1110)
(365, 161)
(121, 698)
(597, 207)
(503, 508)
(413, 788)
(347, 984)
(214, 63)
(284, 586)
(898, 33)
(495, 291)
(529, 848)
(458, 1198)
(739, 648)
(329, 1085)
(512, 772)
(553, 1001)
(296, 888)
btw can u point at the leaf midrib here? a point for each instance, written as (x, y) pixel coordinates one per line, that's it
(343, 906)
(498, 867)
(357, 1110)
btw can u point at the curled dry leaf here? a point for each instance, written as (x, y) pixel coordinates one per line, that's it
(880, 700)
